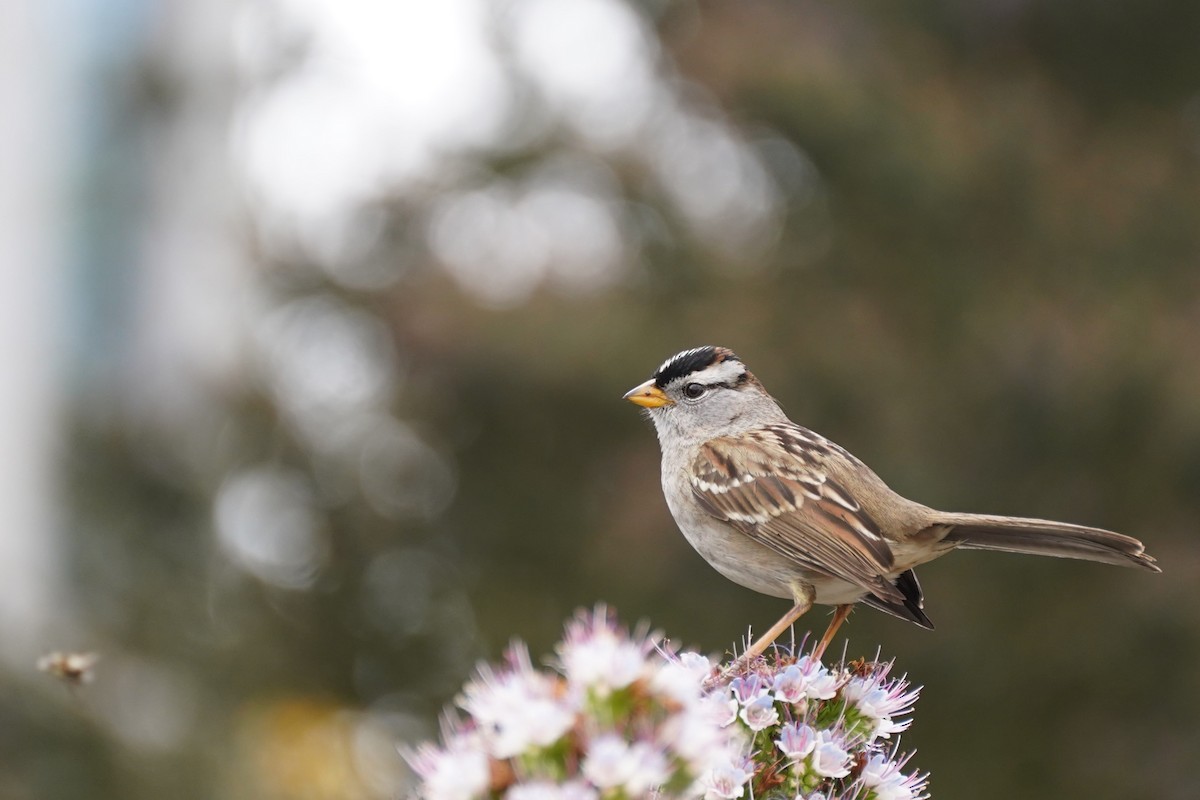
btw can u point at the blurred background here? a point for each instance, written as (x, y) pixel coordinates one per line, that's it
(316, 317)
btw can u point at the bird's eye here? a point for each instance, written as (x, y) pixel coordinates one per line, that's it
(693, 390)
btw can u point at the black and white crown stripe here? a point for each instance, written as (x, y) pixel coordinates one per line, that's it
(720, 366)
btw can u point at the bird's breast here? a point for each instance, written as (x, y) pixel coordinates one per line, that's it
(733, 554)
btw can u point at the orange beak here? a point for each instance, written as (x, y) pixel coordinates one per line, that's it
(648, 396)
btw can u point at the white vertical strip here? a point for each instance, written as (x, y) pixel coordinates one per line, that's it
(32, 230)
(195, 283)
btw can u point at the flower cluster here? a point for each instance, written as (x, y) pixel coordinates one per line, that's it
(821, 733)
(618, 718)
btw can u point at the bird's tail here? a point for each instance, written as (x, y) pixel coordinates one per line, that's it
(1043, 537)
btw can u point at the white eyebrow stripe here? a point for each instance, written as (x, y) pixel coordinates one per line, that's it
(724, 372)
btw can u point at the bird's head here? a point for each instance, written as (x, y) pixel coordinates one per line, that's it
(703, 393)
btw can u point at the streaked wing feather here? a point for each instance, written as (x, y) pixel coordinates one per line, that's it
(769, 486)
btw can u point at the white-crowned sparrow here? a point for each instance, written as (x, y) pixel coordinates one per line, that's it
(788, 513)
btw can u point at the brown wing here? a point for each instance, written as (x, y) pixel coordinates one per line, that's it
(769, 484)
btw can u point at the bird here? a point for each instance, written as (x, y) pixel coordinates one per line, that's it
(784, 511)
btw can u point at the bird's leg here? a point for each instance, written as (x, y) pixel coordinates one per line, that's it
(804, 601)
(839, 616)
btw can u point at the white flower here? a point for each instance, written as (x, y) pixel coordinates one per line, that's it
(807, 678)
(682, 679)
(749, 688)
(726, 711)
(637, 768)
(829, 758)
(700, 735)
(796, 740)
(728, 780)
(789, 685)
(886, 782)
(518, 709)
(760, 713)
(697, 664)
(594, 656)
(879, 703)
(878, 770)
(458, 772)
(650, 769)
(545, 790)
(608, 762)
